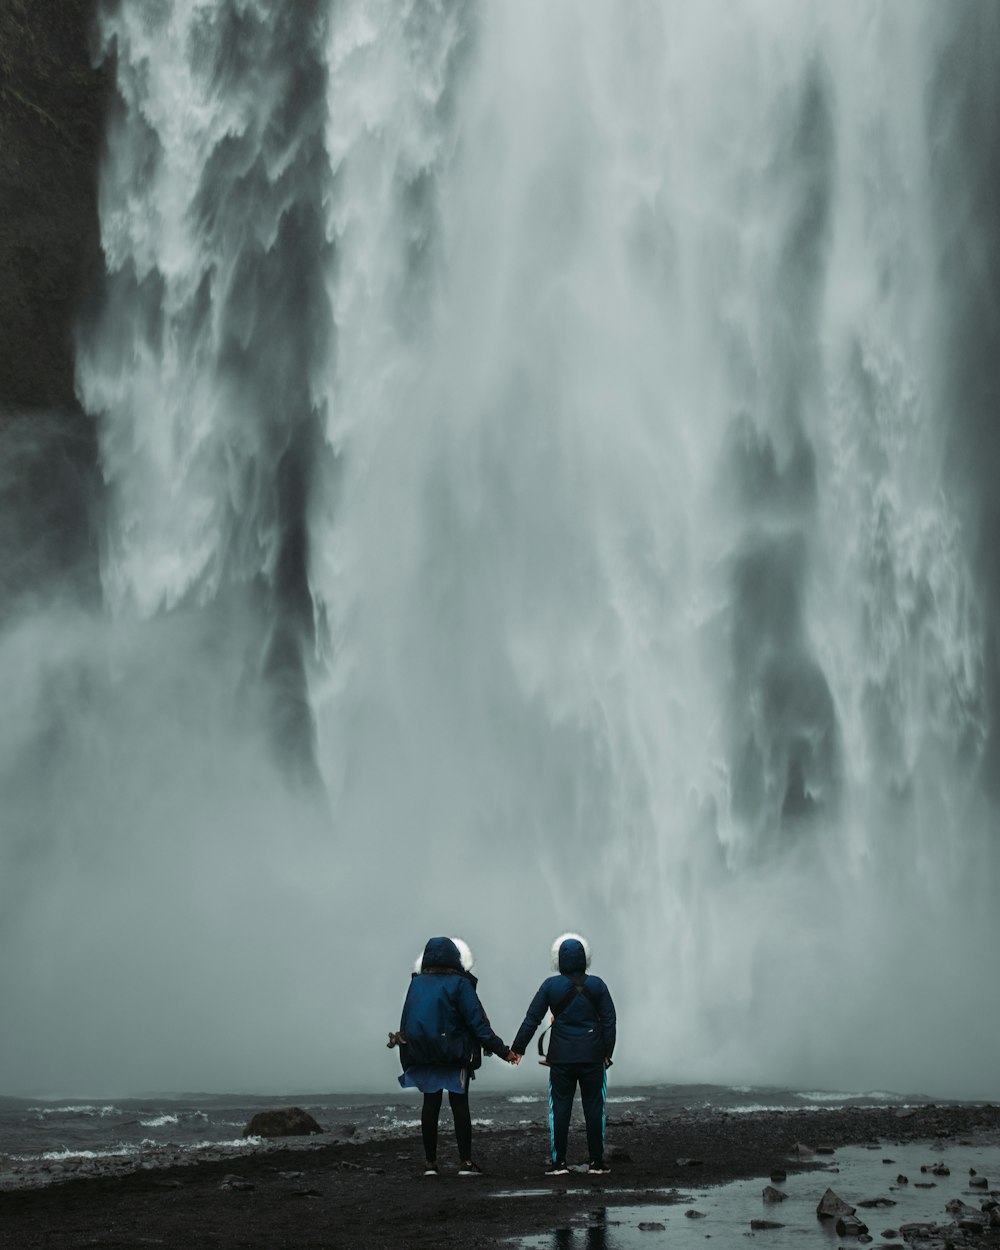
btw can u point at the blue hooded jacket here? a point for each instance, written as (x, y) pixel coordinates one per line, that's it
(443, 1020)
(584, 1031)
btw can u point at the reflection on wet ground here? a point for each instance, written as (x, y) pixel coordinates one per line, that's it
(858, 1174)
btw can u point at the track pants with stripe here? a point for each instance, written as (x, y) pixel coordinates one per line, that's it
(563, 1080)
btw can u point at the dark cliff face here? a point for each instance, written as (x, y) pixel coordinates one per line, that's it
(52, 104)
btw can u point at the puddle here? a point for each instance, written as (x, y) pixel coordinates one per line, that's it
(856, 1173)
(592, 1191)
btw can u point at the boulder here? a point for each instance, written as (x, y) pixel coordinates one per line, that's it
(968, 1224)
(761, 1225)
(770, 1194)
(831, 1206)
(282, 1122)
(868, 1203)
(969, 1219)
(851, 1226)
(979, 1182)
(910, 1232)
(802, 1150)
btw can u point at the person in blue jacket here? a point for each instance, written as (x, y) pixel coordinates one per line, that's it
(580, 1047)
(442, 1034)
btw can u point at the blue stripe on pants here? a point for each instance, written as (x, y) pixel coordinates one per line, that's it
(552, 1124)
(592, 1079)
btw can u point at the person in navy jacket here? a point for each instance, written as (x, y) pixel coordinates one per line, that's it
(580, 1048)
(442, 1034)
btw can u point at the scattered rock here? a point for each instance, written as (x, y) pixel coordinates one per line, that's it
(957, 1207)
(802, 1150)
(973, 1223)
(925, 1184)
(692, 1214)
(770, 1194)
(824, 1150)
(831, 1206)
(909, 1232)
(867, 1203)
(761, 1225)
(888, 1160)
(346, 1130)
(652, 1226)
(979, 1182)
(282, 1122)
(851, 1226)
(940, 1169)
(779, 1176)
(902, 1180)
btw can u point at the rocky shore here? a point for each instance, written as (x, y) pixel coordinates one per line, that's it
(330, 1192)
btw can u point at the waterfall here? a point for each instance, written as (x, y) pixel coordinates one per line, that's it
(538, 496)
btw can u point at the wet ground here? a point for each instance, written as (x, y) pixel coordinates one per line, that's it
(859, 1174)
(371, 1195)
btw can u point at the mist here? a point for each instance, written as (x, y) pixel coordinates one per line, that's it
(545, 464)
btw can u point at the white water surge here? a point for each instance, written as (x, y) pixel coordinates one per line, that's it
(526, 432)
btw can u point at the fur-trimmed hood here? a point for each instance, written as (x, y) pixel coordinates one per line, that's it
(570, 953)
(445, 952)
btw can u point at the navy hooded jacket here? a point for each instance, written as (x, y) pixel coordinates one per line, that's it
(584, 1030)
(443, 1020)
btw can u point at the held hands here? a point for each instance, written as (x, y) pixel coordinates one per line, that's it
(512, 1057)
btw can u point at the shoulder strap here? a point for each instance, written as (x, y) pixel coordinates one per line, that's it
(578, 987)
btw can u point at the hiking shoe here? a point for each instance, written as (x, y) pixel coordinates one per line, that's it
(598, 1169)
(470, 1169)
(430, 1169)
(557, 1169)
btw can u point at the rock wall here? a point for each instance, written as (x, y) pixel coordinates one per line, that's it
(52, 103)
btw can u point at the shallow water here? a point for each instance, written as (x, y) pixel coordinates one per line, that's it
(44, 1138)
(855, 1173)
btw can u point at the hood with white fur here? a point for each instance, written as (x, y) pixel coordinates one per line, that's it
(444, 952)
(570, 953)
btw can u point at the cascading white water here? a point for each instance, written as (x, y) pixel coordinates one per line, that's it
(605, 345)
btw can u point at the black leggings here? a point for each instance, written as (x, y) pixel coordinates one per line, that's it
(463, 1124)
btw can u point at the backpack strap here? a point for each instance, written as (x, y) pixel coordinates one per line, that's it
(576, 990)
